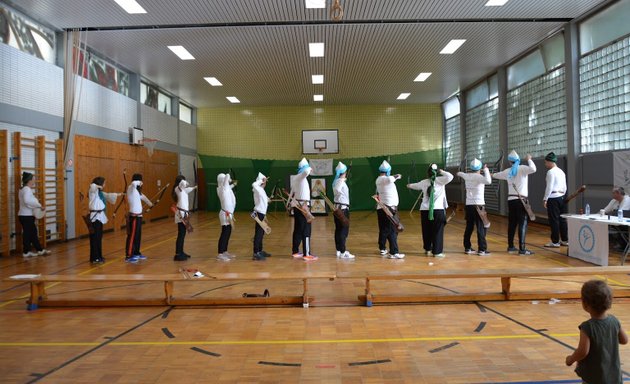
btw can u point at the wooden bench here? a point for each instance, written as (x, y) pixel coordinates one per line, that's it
(505, 275)
(39, 298)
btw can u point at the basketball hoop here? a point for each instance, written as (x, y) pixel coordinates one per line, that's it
(149, 144)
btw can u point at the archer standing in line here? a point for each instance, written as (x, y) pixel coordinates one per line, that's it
(135, 197)
(388, 195)
(97, 202)
(301, 193)
(554, 200)
(433, 209)
(180, 197)
(342, 202)
(226, 215)
(517, 178)
(475, 203)
(261, 202)
(26, 215)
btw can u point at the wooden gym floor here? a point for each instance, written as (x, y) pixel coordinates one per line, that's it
(334, 341)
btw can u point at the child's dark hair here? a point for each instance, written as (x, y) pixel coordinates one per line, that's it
(99, 180)
(178, 180)
(597, 295)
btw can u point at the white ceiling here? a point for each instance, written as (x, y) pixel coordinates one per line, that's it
(258, 49)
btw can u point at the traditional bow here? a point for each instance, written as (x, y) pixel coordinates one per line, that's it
(496, 167)
(157, 197)
(122, 200)
(463, 163)
(195, 203)
(413, 172)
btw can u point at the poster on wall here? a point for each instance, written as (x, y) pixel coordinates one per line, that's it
(318, 186)
(621, 169)
(318, 206)
(321, 167)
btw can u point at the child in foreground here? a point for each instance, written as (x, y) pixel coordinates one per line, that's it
(597, 354)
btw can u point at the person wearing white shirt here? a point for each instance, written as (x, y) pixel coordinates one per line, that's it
(301, 193)
(226, 215)
(26, 215)
(433, 209)
(388, 195)
(179, 194)
(342, 201)
(475, 188)
(619, 201)
(517, 179)
(261, 202)
(134, 219)
(97, 203)
(554, 200)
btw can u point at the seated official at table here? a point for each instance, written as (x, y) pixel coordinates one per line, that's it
(619, 201)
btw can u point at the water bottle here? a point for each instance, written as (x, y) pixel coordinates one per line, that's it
(620, 215)
(587, 209)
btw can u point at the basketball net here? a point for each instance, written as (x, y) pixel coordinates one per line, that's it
(149, 144)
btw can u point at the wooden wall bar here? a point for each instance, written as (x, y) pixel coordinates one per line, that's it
(96, 157)
(5, 229)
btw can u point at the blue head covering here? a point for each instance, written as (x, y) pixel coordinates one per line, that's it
(516, 161)
(385, 167)
(475, 165)
(341, 168)
(303, 166)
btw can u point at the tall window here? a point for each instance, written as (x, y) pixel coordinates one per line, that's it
(536, 100)
(185, 113)
(151, 96)
(482, 121)
(605, 80)
(452, 135)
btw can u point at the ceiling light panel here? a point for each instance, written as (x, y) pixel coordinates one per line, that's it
(496, 3)
(316, 49)
(213, 81)
(452, 46)
(315, 3)
(181, 52)
(318, 79)
(233, 99)
(422, 76)
(403, 96)
(130, 6)
(318, 97)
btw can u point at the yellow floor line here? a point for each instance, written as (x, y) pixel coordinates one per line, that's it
(281, 342)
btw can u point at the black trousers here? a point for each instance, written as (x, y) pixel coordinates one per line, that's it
(96, 241)
(179, 243)
(301, 233)
(517, 217)
(134, 235)
(473, 219)
(386, 232)
(433, 230)
(341, 232)
(29, 234)
(258, 234)
(224, 239)
(559, 230)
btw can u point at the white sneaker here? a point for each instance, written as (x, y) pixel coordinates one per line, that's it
(428, 253)
(397, 256)
(338, 254)
(347, 255)
(564, 243)
(223, 257)
(43, 252)
(440, 255)
(230, 255)
(29, 254)
(552, 245)
(383, 252)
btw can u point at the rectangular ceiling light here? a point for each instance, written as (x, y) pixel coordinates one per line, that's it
(316, 49)
(315, 3)
(213, 81)
(318, 97)
(130, 6)
(318, 79)
(422, 76)
(452, 46)
(233, 99)
(496, 3)
(403, 96)
(181, 52)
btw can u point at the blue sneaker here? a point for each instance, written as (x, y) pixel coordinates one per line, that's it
(141, 257)
(132, 259)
